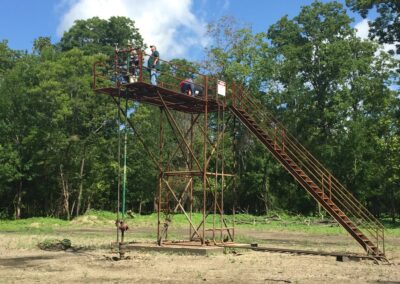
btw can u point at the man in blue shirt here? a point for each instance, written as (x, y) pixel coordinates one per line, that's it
(153, 65)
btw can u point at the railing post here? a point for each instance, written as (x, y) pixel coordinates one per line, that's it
(383, 240)
(330, 186)
(116, 68)
(283, 141)
(206, 88)
(140, 54)
(322, 185)
(275, 138)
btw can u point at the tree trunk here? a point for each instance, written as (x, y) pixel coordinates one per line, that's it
(264, 195)
(78, 203)
(18, 201)
(140, 207)
(65, 192)
(393, 206)
(88, 203)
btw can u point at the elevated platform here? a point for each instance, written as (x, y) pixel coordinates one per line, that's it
(146, 93)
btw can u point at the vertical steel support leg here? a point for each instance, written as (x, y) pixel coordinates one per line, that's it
(160, 176)
(192, 121)
(205, 138)
(222, 167)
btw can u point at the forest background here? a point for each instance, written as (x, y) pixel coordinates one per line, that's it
(338, 94)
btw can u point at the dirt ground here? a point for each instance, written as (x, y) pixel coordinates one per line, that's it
(21, 261)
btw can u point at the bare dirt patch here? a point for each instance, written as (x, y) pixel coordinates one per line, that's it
(22, 262)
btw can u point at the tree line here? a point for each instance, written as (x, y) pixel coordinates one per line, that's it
(336, 93)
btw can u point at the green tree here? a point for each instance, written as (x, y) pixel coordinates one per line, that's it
(96, 35)
(7, 58)
(328, 87)
(386, 27)
(333, 92)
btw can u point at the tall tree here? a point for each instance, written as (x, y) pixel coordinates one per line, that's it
(386, 27)
(333, 91)
(97, 35)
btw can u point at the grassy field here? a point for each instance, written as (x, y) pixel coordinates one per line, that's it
(90, 259)
(273, 222)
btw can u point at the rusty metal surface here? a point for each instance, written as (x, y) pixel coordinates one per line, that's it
(146, 93)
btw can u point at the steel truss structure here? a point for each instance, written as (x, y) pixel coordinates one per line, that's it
(192, 172)
(196, 170)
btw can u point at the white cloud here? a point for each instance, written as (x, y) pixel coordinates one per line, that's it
(170, 25)
(362, 29)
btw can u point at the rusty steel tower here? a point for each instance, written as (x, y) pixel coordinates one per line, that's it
(192, 172)
(196, 171)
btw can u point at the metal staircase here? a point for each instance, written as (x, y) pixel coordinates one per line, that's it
(311, 175)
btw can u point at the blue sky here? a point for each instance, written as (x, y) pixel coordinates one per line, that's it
(160, 21)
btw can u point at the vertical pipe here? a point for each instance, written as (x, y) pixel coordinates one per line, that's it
(205, 161)
(191, 177)
(160, 177)
(222, 168)
(125, 156)
(120, 246)
(234, 146)
(216, 175)
(116, 67)
(119, 161)
(127, 64)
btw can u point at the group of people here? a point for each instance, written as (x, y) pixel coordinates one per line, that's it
(187, 85)
(153, 64)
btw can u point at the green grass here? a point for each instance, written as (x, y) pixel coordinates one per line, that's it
(36, 224)
(96, 219)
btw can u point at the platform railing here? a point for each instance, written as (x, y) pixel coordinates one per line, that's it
(130, 66)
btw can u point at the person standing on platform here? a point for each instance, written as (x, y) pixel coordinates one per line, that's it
(153, 65)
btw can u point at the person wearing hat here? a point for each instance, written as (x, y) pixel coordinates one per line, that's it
(153, 64)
